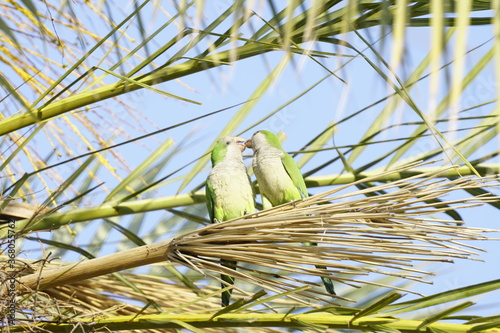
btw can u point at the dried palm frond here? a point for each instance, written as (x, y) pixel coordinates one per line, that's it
(383, 229)
(108, 296)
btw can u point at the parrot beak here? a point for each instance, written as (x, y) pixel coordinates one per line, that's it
(241, 143)
(248, 144)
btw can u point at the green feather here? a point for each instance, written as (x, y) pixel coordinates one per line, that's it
(272, 139)
(209, 194)
(294, 172)
(219, 152)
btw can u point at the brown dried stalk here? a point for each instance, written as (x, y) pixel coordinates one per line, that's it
(386, 234)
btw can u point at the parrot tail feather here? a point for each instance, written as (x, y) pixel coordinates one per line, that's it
(326, 281)
(226, 295)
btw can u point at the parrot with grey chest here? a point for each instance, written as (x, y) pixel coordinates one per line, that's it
(228, 191)
(279, 178)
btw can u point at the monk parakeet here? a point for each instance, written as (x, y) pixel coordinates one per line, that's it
(280, 180)
(229, 192)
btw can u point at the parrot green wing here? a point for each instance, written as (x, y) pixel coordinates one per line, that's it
(298, 180)
(209, 195)
(294, 172)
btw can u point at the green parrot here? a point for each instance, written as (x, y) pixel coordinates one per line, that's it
(228, 191)
(279, 177)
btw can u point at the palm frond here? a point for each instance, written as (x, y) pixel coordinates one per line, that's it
(106, 296)
(384, 234)
(375, 317)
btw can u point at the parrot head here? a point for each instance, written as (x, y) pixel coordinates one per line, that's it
(227, 146)
(263, 138)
